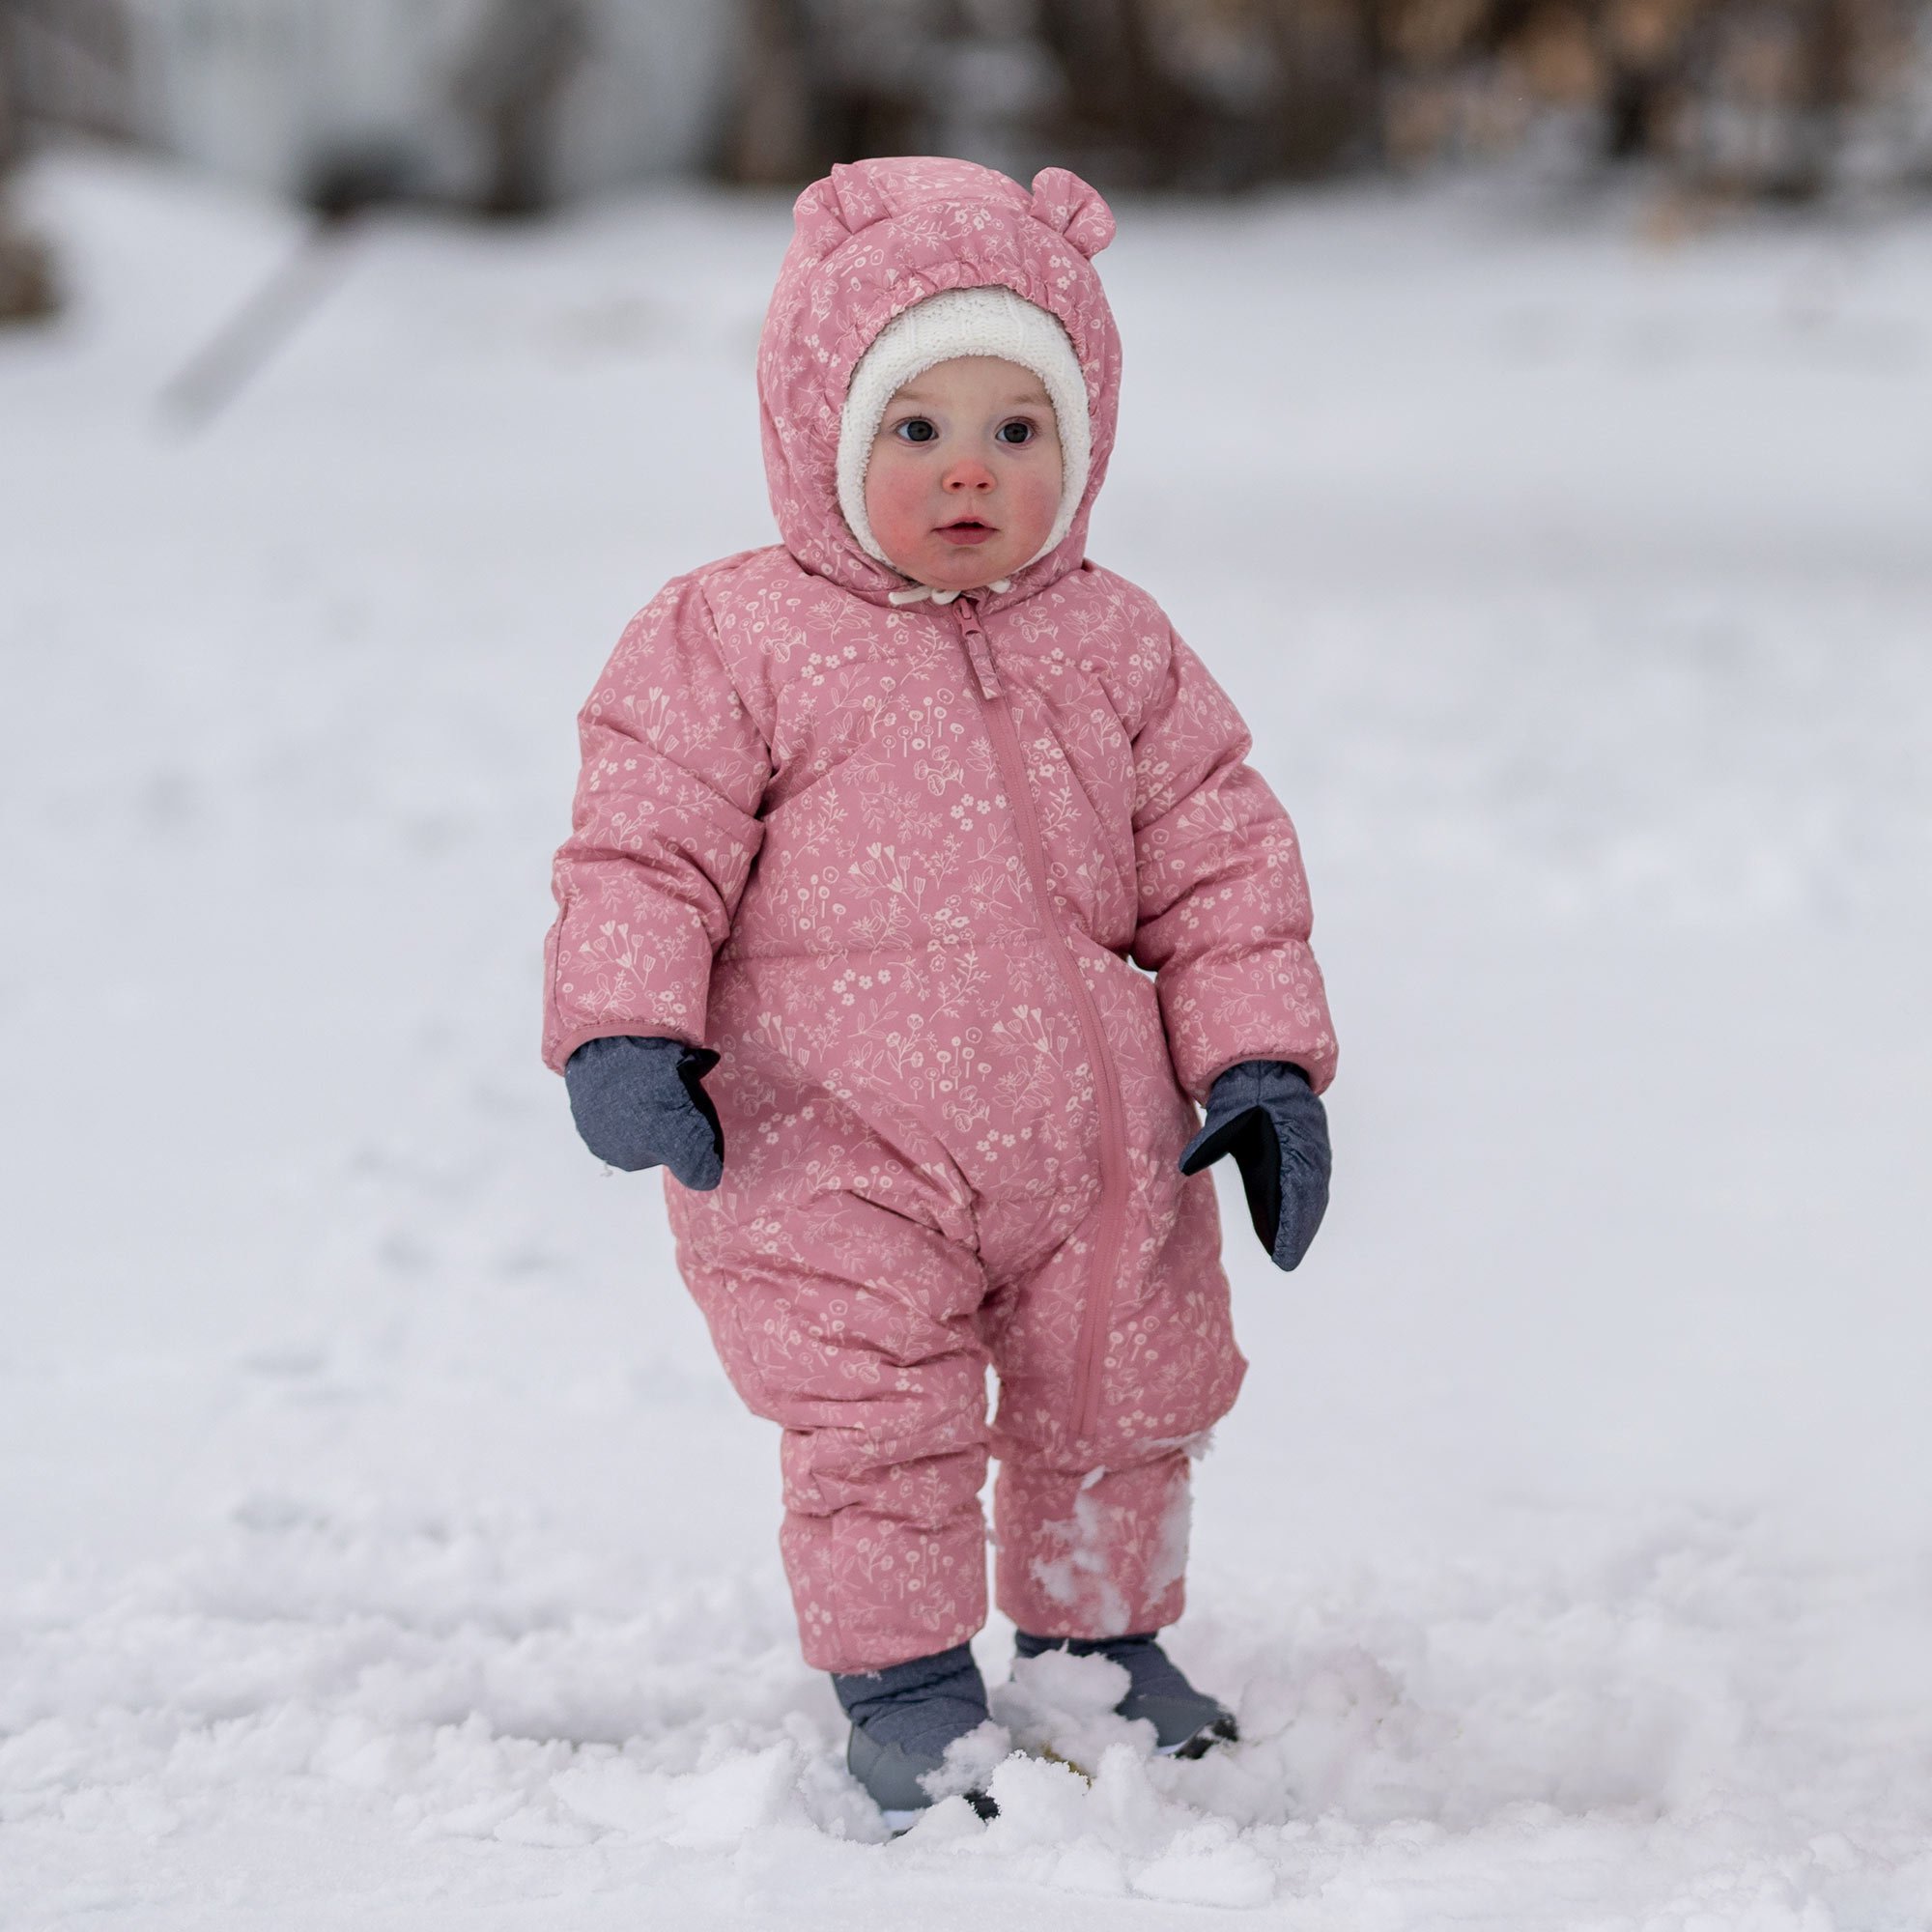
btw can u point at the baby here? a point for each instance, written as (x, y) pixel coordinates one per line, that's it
(876, 830)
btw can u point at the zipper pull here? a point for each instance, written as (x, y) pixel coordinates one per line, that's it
(977, 649)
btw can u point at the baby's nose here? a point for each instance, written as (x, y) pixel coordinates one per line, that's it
(969, 473)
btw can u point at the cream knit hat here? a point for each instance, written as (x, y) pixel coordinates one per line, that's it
(990, 321)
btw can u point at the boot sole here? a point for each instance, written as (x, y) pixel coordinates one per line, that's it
(898, 1822)
(1221, 1732)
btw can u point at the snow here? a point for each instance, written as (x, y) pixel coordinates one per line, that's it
(381, 1544)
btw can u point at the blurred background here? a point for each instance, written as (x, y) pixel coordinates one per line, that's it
(510, 105)
(1528, 416)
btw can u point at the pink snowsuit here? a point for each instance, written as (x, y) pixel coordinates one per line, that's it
(902, 868)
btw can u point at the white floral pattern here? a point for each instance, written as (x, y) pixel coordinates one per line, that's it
(793, 843)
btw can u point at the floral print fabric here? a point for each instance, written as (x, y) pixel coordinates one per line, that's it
(795, 842)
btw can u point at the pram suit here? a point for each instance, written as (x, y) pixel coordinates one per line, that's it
(973, 901)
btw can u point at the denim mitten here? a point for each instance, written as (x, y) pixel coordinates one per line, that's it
(1264, 1113)
(641, 1103)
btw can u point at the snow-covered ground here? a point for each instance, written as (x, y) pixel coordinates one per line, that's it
(381, 1547)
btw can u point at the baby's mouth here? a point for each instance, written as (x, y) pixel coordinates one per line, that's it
(968, 531)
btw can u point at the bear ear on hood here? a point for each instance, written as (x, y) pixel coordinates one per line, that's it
(1064, 201)
(857, 196)
(831, 211)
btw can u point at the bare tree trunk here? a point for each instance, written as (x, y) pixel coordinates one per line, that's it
(1326, 58)
(523, 57)
(772, 135)
(825, 81)
(27, 289)
(1121, 104)
(1825, 88)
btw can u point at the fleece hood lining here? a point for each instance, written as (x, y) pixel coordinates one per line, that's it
(989, 320)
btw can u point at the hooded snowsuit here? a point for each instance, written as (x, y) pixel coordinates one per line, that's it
(902, 869)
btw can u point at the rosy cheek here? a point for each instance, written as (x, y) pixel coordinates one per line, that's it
(1043, 501)
(894, 505)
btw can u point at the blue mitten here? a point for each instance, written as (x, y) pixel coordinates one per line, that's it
(640, 1103)
(1266, 1116)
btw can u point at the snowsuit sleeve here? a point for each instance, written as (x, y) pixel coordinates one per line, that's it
(1224, 917)
(665, 829)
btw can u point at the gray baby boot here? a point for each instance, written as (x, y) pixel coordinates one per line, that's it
(1186, 1722)
(903, 1719)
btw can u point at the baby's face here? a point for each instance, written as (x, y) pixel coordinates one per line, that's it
(964, 479)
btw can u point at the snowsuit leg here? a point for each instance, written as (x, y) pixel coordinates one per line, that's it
(1091, 1538)
(842, 1293)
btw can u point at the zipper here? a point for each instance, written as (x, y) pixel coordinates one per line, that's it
(1097, 1305)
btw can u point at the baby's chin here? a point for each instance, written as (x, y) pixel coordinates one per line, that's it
(949, 566)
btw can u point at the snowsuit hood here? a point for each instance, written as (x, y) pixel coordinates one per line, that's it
(872, 239)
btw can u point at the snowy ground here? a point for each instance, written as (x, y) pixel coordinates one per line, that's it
(381, 1547)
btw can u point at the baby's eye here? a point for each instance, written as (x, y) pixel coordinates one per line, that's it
(1018, 431)
(915, 428)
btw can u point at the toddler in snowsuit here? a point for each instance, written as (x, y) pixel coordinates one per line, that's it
(875, 831)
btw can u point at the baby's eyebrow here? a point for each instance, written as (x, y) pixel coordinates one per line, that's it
(1017, 399)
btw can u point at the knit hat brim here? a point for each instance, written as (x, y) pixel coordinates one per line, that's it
(987, 321)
